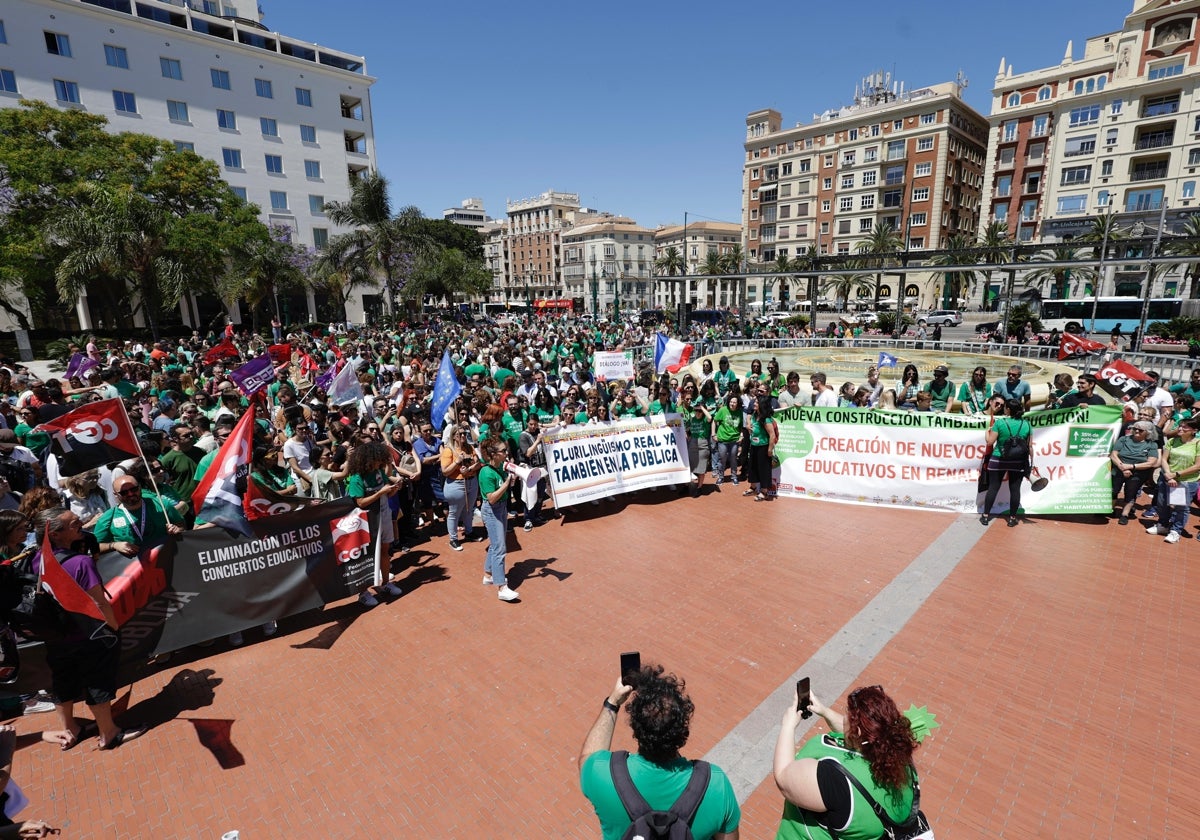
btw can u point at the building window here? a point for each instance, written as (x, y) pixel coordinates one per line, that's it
(8, 81)
(1106, 167)
(1115, 108)
(869, 178)
(826, 206)
(853, 134)
(1163, 71)
(274, 164)
(320, 238)
(924, 144)
(847, 182)
(1029, 210)
(920, 194)
(184, 146)
(1009, 131)
(312, 169)
(828, 160)
(171, 68)
(1043, 93)
(1000, 212)
(1193, 157)
(66, 91)
(1110, 137)
(262, 87)
(220, 79)
(308, 133)
(1040, 123)
(116, 57)
(279, 200)
(304, 97)
(316, 205)
(928, 119)
(894, 175)
(1103, 199)
(827, 183)
(1087, 115)
(226, 119)
(806, 165)
(240, 192)
(232, 158)
(919, 219)
(1140, 200)
(871, 155)
(864, 225)
(1076, 175)
(786, 168)
(3, 35)
(866, 202)
(177, 111)
(923, 169)
(895, 149)
(846, 202)
(843, 226)
(124, 101)
(897, 125)
(848, 158)
(1083, 144)
(1072, 203)
(1157, 106)
(1014, 99)
(893, 198)
(57, 44)
(1004, 186)
(270, 128)
(1189, 189)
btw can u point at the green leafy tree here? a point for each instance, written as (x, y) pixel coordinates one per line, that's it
(669, 264)
(881, 249)
(268, 266)
(843, 283)
(1188, 245)
(958, 252)
(448, 274)
(1060, 278)
(995, 247)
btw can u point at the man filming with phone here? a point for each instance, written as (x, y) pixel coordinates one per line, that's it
(660, 714)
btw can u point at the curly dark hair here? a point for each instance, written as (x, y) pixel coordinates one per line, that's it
(660, 714)
(883, 735)
(368, 457)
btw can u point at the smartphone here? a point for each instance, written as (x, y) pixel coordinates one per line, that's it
(631, 663)
(804, 697)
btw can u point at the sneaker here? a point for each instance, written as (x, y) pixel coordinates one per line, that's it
(270, 629)
(392, 589)
(528, 526)
(735, 481)
(1150, 513)
(455, 545)
(1123, 520)
(506, 594)
(1172, 537)
(367, 599)
(1156, 531)
(487, 581)
(36, 706)
(235, 639)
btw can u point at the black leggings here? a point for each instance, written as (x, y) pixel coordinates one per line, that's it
(760, 467)
(995, 477)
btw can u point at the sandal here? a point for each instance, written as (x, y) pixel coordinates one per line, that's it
(760, 498)
(125, 735)
(749, 493)
(87, 729)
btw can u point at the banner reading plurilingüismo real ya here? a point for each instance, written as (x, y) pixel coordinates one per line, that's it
(932, 460)
(604, 459)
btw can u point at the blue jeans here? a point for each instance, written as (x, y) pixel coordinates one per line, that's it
(472, 498)
(455, 493)
(1175, 517)
(727, 456)
(495, 518)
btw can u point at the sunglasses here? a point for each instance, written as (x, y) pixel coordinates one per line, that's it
(129, 491)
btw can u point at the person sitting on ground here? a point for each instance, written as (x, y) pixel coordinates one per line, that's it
(1084, 393)
(660, 715)
(941, 389)
(1134, 458)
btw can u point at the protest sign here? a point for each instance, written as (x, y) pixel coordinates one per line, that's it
(609, 366)
(931, 460)
(604, 459)
(209, 583)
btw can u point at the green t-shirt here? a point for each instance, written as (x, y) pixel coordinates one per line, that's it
(146, 527)
(490, 480)
(698, 425)
(729, 424)
(358, 486)
(718, 813)
(941, 396)
(975, 399)
(623, 410)
(658, 407)
(759, 436)
(724, 378)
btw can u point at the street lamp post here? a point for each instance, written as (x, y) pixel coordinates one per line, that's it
(595, 289)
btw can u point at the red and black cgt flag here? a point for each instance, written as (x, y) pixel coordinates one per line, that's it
(216, 498)
(1122, 380)
(223, 350)
(1073, 346)
(260, 501)
(91, 436)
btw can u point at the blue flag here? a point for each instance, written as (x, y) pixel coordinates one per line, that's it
(445, 391)
(885, 360)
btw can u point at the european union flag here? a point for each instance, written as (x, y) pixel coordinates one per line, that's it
(445, 391)
(885, 360)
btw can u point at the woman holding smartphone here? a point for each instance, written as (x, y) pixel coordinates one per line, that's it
(460, 467)
(371, 480)
(494, 482)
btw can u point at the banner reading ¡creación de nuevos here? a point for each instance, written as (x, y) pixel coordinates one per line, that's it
(932, 460)
(604, 459)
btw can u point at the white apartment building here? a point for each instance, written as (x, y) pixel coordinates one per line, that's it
(288, 122)
(695, 243)
(608, 261)
(532, 260)
(1114, 130)
(469, 214)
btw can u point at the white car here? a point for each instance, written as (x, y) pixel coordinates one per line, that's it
(945, 317)
(865, 318)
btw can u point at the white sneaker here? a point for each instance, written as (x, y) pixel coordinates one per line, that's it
(528, 526)
(270, 629)
(487, 581)
(1156, 530)
(367, 599)
(1172, 537)
(506, 594)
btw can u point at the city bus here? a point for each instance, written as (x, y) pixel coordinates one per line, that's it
(1075, 315)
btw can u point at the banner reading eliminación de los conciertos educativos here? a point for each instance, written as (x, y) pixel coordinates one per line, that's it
(932, 460)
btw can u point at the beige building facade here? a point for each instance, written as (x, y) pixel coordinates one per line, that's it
(694, 243)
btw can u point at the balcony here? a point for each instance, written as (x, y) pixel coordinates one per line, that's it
(1149, 171)
(1155, 140)
(352, 108)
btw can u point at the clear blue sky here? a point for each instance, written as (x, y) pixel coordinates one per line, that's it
(640, 107)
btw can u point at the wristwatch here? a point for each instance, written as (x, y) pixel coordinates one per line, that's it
(612, 707)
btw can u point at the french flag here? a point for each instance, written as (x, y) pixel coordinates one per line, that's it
(670, 354)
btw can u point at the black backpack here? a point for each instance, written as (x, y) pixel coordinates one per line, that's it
(1016, 448)
(18, 474)
(672, 824)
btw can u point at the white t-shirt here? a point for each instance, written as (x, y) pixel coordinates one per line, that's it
(827, 398)
(1160, 399)
(299, 450)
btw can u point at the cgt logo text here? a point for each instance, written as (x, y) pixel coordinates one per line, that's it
(88, 433)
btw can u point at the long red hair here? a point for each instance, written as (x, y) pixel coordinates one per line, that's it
(882, 735)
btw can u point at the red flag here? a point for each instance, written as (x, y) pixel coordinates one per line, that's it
(308, 364)
(1122, 380)
(260, 501)
(216, 498)
(224, 350)
(1073, 345)
(281, 354)
(92, 435)
(65, 589)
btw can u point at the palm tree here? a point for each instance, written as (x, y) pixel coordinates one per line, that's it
(120, 238)
(1189, 246)
(995, 247)
(669, 264)
(734, 261)
(882, 246)
(1060, 278)
(810, 260)
(391, 244)
(1104, 231)
(269, 266)
(341, 268)
(957, 252)
(713, 266)
(845, 282)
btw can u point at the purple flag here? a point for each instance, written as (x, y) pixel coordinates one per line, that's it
(326, 379)
(79, 365)
(254, 375)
